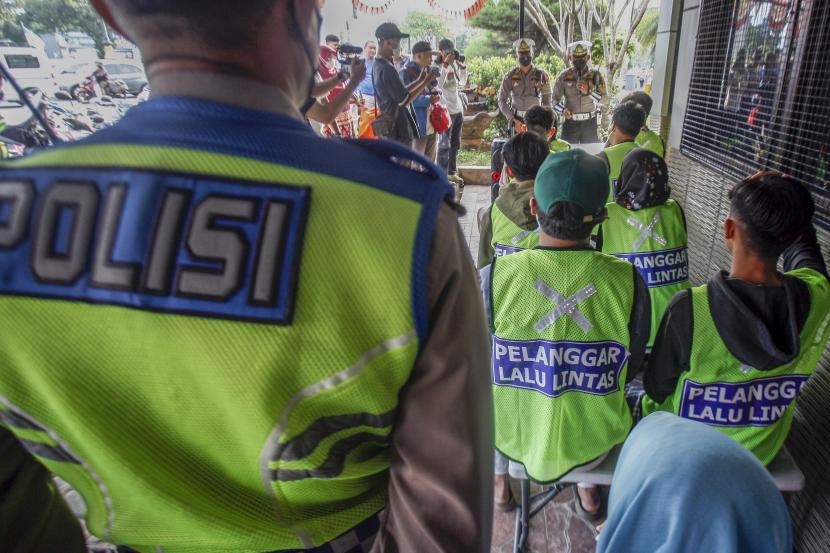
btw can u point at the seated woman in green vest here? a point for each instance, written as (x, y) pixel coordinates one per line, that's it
(647, 138)
(648, 230)
(569, 326)
(542, 121)
(508, 226)
(626, 123)
(736, 352)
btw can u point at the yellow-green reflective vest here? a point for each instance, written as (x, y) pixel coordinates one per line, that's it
(252, 422)
(616, 155)
(508, 237)
(560, 357)
(654, 241)
(651, 141)
(558, 145)
(753, 407)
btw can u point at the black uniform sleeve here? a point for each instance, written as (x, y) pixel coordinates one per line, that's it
(639, 327)
(33, 516)
(805, 254)
(672, 349)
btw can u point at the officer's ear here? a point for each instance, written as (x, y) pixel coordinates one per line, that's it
(534, 206)
(509, 172)
(730, 232)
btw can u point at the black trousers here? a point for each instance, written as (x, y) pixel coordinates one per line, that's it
(580, 132)
(449, 144)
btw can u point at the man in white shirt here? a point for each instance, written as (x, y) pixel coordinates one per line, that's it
(452, 80)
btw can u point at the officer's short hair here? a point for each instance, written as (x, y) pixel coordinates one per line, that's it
(629, 117)
(641, 98)
(773, 210)
(524, 154)
(539, 117)
(215, 22)
(566, 221)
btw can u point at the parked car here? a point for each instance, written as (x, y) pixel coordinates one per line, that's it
(31, 69)
(131, 73)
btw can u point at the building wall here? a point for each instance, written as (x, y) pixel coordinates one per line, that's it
(703, 193)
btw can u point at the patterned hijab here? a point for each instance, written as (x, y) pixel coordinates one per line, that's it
(643, 182)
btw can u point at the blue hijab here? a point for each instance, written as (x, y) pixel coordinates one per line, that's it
(683, 487)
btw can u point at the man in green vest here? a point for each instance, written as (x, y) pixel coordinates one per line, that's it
(647, 138)
(207, 334)
(626, 123)
(569, 328)
(509, 226)
(542, 121)
(648, 230)
(736, 352)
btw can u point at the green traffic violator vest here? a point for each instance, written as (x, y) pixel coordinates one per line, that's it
(245, 405)
(558, 145)
(616, 155)
(651, 141)
(560, 357)
(654, 240)
(753, 407)
(508, 237)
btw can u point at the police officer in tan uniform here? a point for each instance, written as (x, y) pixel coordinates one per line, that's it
(584, 92)
(523, 87)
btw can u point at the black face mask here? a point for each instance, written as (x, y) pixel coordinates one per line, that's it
(524, 61)
(580, 65)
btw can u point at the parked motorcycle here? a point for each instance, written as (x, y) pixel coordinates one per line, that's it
(86, 90)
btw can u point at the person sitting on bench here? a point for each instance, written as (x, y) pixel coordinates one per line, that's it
(682, 487)
(569, 326)
(736, 352)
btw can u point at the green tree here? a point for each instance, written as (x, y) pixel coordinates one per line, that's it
(50, 16)
(646, 33)
(426, 26)
(502, 21)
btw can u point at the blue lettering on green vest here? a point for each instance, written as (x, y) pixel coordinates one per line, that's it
(662, 268)
(554, 368)
(759, 402)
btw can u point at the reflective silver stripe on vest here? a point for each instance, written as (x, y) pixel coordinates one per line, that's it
(272, 445)
(336, 460)
(522, 235)
(564, 306)
(67, 456)
(304, 445)
(50, 452)
(646, 232)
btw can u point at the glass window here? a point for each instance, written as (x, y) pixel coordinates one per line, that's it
(22, 61)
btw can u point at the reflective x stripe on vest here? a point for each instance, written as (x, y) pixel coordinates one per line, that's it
(754, 407)
(654, 241)
(560, 357)
(192, 390)
(616, 155)
(508, 237)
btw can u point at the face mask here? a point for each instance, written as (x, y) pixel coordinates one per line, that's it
(580, 65)
(313, 59)
(524, 61)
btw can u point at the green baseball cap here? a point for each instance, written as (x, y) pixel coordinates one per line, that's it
(574, 176)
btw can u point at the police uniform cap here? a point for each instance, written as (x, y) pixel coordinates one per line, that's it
(580, 48)
(574, 176)
(524, 45)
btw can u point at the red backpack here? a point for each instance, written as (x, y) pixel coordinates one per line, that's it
(439, 116)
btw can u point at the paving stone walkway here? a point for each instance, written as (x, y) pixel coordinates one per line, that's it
(557, 529)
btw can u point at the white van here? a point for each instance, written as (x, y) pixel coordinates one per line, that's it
(30, 67)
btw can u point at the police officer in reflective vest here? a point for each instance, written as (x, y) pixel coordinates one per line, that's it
(523, 87)
(648, 230)
(736, 352)
(584, 92)
(207, 337)
(542, 121)
(647, 138)
(569, 328)
(508, 226)
(626, 123)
